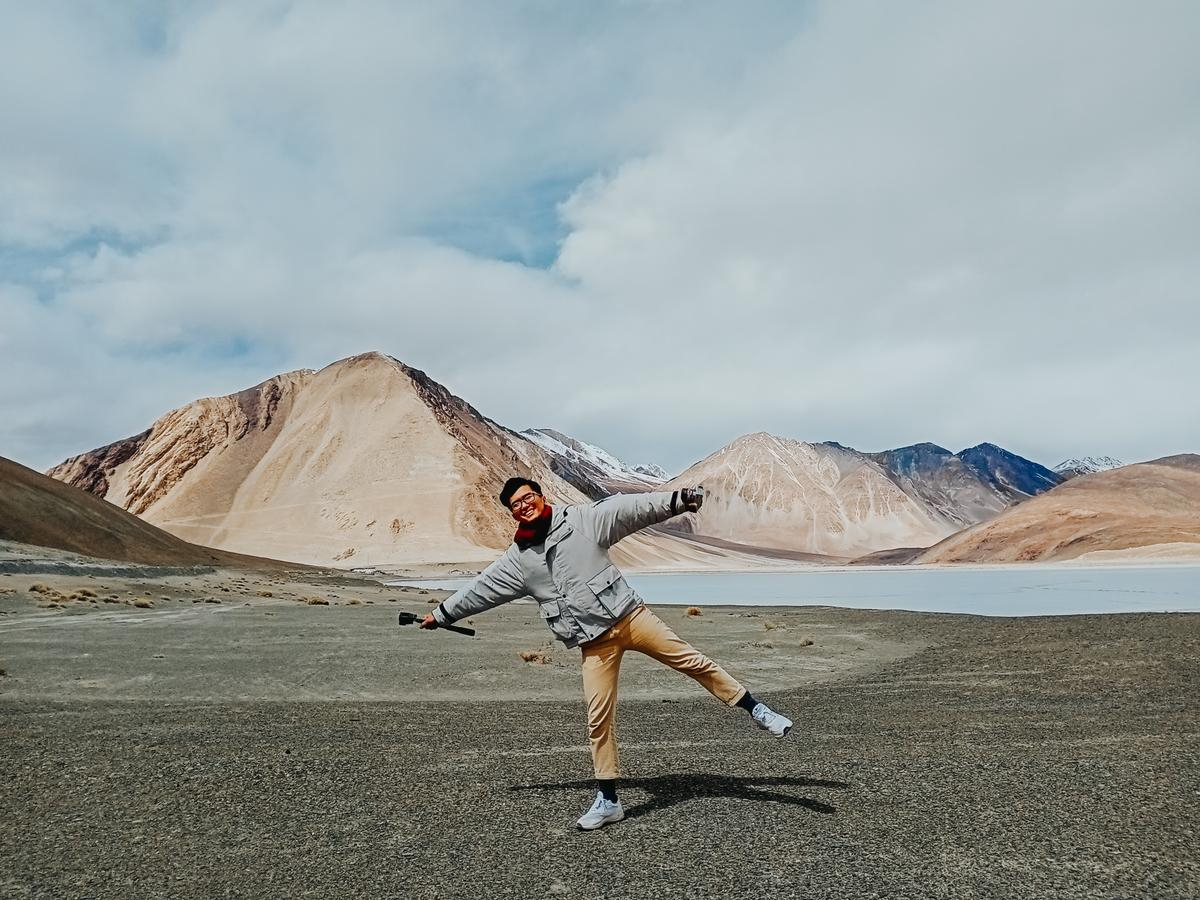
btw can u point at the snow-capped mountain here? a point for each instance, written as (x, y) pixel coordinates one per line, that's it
(656, 472)
(1069, 468)
(592, 469)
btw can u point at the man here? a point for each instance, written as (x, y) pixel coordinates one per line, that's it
(559, 557)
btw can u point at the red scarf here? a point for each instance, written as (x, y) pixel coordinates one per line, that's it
(535, 531)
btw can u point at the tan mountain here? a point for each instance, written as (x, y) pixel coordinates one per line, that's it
(35, 509)
(364, 462)
(1147, 510)
(776, 492)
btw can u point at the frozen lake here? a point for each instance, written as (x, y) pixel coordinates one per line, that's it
(1001, 591)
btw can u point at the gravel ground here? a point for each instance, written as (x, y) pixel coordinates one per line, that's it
(971, 757)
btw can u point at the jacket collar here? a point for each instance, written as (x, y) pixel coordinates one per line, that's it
(560, 526)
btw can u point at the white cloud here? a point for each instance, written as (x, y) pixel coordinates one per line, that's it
(873, 224)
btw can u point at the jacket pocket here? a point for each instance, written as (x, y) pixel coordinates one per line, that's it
(610, 589)
(551, 614)
(606, 578)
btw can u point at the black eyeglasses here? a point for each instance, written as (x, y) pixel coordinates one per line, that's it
(527, 500)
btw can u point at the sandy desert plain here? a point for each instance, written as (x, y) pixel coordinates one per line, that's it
(209, 731)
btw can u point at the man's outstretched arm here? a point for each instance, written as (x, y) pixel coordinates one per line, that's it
(499, 583)
(621, 515)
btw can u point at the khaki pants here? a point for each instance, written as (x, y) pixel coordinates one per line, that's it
(644, 632)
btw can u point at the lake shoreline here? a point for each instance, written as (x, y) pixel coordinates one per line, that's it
(974, 590)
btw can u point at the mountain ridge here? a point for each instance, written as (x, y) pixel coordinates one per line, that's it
(374, 459)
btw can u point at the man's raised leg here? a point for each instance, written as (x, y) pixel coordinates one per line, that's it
(650, 635)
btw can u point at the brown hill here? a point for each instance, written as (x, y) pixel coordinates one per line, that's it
(35, 509)
(1149, 509)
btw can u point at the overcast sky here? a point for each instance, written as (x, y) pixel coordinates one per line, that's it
(652, 225)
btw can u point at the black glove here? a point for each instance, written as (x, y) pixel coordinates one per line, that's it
(692, 498)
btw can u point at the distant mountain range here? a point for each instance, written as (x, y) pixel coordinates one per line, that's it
(832, 499)
(369, 461)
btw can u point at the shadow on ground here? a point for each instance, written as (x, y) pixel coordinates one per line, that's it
(668, 790)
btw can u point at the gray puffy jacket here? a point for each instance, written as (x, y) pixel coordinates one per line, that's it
(581, 594)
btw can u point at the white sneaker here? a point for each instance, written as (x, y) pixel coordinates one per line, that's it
(602, 813)
(770, 721)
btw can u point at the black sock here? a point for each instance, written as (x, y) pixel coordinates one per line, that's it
(747, 702)
(608, 788)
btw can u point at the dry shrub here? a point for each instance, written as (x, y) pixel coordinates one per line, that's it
(83, 593)
(431, 600)
(537, 657)
(143, 603)
(38, 588)
(353, 601)
(806, 643)
(211, 600)
(264, 594)
(316, 601)
(692, 611)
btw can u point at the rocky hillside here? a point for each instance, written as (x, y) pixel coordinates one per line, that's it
(38, 510)
(777, 492)
(1010, 475)
(1147, 510)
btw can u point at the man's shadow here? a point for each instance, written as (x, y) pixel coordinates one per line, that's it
(668, 790)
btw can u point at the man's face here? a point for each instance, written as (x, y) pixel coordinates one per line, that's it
(526, 504)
